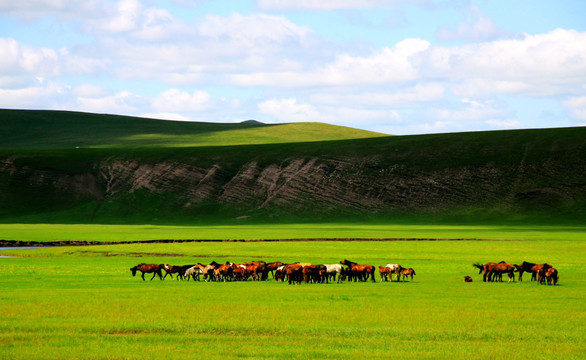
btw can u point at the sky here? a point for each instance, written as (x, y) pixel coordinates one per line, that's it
(392, 66)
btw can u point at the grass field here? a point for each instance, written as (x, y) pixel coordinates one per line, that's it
(117, 233)
(83, 303)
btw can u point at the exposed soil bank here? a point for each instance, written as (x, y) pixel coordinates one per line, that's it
(24, 243)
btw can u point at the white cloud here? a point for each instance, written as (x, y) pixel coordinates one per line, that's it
(253, 29)
(547, 64)
(62, 9)
(404, 98)
(124, 102)
(476, 27)
(19, 59)
(42, 96)
(472, 110)
(384, 66)
(577, 107)
(504, 124)
(329, 4)
(174, 100)
(290, 110)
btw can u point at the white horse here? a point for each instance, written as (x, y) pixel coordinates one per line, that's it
(394, 269)
(332, 270)
(194, 272)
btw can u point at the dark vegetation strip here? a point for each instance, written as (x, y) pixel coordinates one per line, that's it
(25, 243)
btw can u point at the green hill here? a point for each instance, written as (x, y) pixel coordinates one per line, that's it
(63, 167)
(31, 129)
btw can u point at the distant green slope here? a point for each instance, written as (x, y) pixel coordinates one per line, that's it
(141, 171)
(37, 129)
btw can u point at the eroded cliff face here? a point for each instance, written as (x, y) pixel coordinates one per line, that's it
(327, 183)
(298, 184)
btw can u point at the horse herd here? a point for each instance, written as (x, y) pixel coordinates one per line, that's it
(292, 273)
(542, 273)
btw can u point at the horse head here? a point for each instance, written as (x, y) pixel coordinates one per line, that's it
(133, 269)
(479, 266)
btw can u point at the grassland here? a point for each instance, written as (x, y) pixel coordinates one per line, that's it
(117, 233)
(50, 130)
(82, 303)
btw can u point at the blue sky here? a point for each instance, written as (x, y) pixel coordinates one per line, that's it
(392, 66)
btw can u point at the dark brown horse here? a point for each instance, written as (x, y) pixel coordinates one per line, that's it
(467, 279)
(551, 275)
(273, 266)
(529, 267)
(360, 271)
(294, 273)
(148, 268)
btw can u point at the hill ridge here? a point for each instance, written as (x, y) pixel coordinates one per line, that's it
(501, 176)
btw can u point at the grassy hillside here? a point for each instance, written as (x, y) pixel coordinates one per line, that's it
(240, 173)
(30, 129)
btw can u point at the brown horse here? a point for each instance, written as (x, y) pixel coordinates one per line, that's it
(486, 268)
(148, 268)
(360, 271)
(407, 272)
(273, 266)
(384, 272)
(551, 275)
(500, 269)
(294, 273)
(467, 279)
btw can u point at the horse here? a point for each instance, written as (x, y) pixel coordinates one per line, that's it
(537, 268)
(363, 271)
(502, 268)
(551, 276)
(175, 269)
(194, 272)
(225, 272)
(272, 267)
(280, 274)
(394, 269)
(294, 273)
(148, 268)
(467, 279)
(311, 273)
(407, 272)
(486, 268)
(332, 270)
(384, 273)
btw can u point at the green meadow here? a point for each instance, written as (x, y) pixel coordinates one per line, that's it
(83, 303)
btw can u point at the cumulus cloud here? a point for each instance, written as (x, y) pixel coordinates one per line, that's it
(292, 110)
(31, 10)
(181, 101)
(124, 102)
(19, 59)
(329, 4)
(476, 27)
(470, 109)
(404, 98)
(252, 29)
(577, 107)
(384, 66)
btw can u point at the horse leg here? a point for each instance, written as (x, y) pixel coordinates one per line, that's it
(142, 274)
(521, 275)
